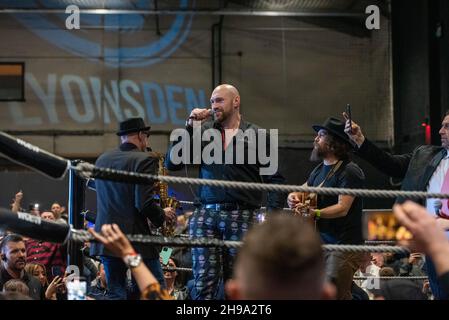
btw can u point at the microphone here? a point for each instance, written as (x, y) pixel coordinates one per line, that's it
(210, 111)
(437, 205)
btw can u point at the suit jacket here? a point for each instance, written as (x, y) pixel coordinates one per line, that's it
(127, 205)
(415, 168)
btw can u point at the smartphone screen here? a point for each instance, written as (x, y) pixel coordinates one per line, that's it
(382, 225)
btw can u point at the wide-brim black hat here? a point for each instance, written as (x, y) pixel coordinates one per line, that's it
(335, 127)
(132, 125)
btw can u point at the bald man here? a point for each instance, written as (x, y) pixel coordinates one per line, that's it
(224, 214)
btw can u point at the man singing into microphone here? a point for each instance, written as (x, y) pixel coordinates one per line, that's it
(224, 214)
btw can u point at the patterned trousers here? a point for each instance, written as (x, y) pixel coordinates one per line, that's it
(211, 265)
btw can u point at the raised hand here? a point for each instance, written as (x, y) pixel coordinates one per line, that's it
(170, 215)
(114, 240)
(428, 236)
(50, 293)
(294, 200)
(353, 131)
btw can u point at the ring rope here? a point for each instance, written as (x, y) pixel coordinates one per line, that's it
(87, 170)
(391, 277)
(84, 236)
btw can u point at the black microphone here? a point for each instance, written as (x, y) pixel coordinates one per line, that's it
(437, 205)
(211, 112)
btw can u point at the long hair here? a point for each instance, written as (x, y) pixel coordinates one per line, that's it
(30, 268)
(340, 148)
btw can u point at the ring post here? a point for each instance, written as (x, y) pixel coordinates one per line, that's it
(76, 219)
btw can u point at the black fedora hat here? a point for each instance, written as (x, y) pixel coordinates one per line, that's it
(132, 125)
(335, 127)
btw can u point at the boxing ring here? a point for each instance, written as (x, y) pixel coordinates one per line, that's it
(56, 167)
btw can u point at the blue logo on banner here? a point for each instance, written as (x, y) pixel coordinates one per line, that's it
(51, 27)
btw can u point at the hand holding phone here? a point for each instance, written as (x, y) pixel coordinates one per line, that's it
(56, 271)
(352, 129)
(165, 254)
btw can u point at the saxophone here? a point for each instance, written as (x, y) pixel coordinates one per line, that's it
(167, 230)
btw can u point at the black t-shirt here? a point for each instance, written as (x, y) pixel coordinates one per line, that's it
(347, 229)
(36, 291)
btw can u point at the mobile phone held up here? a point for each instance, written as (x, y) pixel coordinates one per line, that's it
(348, 113)
(381, 225)
(165, 254)
(56, 271)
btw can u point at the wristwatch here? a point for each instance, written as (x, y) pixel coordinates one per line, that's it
(133, 260)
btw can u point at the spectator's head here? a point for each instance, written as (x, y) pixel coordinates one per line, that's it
(34, 209)
(37, 270)
(48, 215)
(398, 289)
(378, 259)
(16, 285)
(365, 261)
(56, 209)
(387, 272)
(389, 257)
(170, 276)
(281, 258)
(13, 253)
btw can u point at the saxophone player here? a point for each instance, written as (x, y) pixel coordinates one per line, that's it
(129, 206)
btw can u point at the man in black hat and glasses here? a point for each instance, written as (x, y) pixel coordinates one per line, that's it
(338, 218)
(129, 206)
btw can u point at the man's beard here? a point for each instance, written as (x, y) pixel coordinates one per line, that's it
(221, 119)
(18, 267)
(224, 116)
(318, 154)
